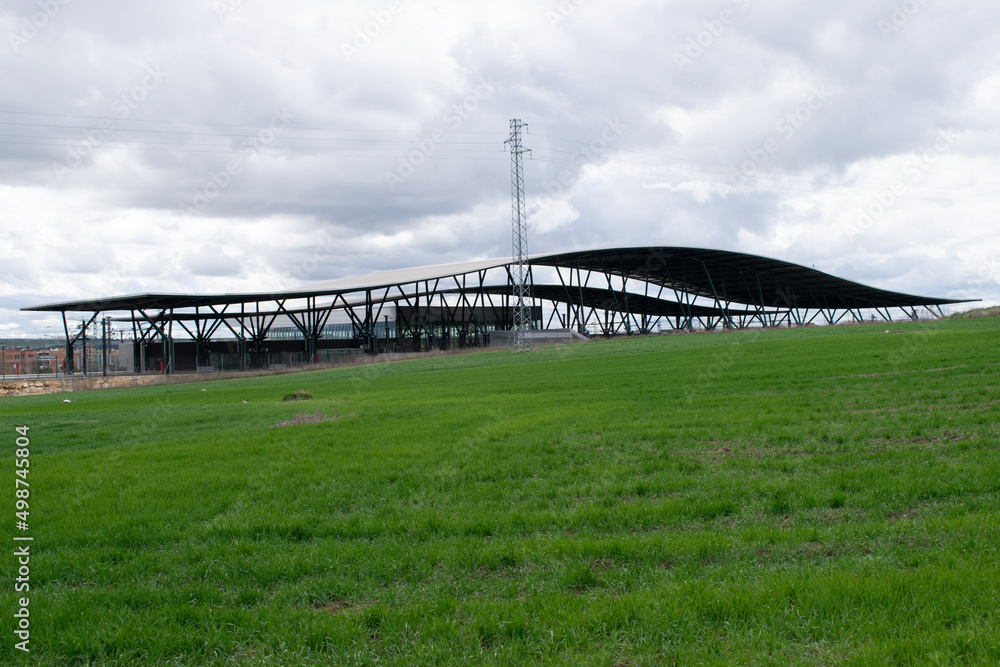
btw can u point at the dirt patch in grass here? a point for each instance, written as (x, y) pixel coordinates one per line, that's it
(316, 418)
(933, 442)
(740, 451)
(820, 550)
(602, 565)
(902, 515)
(334, 607)
(298, 396)
(833, 516)
(903, 372)
(876, 411)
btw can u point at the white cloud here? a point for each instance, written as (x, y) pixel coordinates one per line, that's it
(114, 224)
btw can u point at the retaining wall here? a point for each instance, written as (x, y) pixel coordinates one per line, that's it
(27, 386)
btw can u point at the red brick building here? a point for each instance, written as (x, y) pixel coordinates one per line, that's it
(24, 361)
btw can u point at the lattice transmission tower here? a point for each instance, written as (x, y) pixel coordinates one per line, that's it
(519, 236)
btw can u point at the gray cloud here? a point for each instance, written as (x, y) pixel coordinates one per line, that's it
(165, 209)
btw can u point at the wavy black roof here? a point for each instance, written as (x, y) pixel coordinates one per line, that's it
(734, 276)
(723, 276)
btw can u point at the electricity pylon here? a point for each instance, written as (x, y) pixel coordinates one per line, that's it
(519, 236)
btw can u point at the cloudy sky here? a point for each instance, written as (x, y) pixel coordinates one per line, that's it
(241, 145)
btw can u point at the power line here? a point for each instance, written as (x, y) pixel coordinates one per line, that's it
(278, 150)
(358, 146)
(219, 134)
(190, 122)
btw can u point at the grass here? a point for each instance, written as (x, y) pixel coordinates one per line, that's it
(817, 496)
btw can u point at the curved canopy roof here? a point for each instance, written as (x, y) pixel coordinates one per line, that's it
(720, 275)
(733, 276)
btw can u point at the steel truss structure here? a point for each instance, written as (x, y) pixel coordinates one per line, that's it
(519, 238)
(610, 291)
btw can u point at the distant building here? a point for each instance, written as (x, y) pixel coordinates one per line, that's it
(25, 361)
(19, 361)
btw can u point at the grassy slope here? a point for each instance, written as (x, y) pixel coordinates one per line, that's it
(812, 496)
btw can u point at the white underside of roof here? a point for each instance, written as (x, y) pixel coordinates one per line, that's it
(382, 279)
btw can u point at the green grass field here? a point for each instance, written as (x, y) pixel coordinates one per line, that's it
(817, 496)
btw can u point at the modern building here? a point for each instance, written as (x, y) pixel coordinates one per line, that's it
(607, 291)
